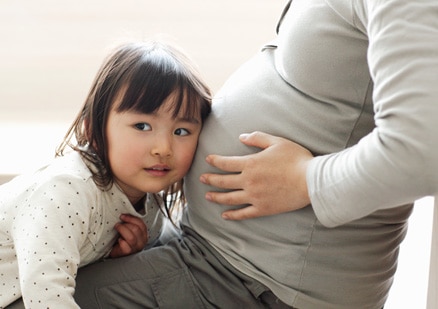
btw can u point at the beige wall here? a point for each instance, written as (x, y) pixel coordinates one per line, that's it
(50, 50)
(5, 178)
(432, 298)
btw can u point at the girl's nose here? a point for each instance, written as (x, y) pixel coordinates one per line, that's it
(162, 147)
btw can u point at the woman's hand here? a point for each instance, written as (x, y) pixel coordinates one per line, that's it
(133, 236)
(269, 182)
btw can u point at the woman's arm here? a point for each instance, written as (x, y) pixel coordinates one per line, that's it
(393, 165)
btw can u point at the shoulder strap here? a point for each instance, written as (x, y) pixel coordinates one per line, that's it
(286, 8)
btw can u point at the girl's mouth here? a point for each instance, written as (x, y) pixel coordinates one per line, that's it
(158, 170)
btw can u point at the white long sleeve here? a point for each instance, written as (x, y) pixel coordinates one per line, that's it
(47, 238)
(54, 222)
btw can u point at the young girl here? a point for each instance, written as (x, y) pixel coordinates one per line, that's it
(133, 141)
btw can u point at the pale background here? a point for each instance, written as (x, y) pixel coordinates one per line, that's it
(50, 51)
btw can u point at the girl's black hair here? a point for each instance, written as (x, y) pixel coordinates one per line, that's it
(144, 74)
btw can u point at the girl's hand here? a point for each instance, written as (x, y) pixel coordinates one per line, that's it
(269, 182)
(133, 236)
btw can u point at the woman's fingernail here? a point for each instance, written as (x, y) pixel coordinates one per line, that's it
(208, 197)
(243, 136)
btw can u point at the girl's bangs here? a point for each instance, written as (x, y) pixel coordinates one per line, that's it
(148, 96)
(149, 82)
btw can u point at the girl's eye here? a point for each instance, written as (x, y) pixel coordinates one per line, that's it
(181, 132)
(143, 126)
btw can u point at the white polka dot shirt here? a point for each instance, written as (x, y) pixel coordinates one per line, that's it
(53, 222)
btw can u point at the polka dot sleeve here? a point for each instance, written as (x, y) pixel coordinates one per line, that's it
(47, 234)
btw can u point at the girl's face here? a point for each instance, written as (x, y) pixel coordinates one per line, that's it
(149, 152)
